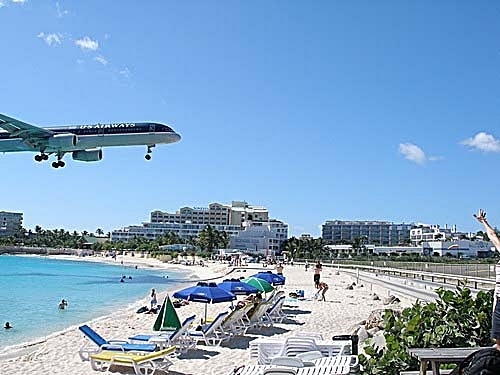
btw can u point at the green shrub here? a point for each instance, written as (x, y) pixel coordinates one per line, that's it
(455, 319)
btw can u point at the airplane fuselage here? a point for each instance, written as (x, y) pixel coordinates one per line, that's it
(83, 137)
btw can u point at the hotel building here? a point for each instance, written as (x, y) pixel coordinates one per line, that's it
(248, 226)
(376, 232)
(11, 223)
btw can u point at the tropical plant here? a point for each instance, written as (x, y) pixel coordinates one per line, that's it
(455, 319)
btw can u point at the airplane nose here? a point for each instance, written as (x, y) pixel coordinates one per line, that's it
(176, 137)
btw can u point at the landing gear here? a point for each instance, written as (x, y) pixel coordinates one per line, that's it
(41, 157)
(148, 156)
(59, 162)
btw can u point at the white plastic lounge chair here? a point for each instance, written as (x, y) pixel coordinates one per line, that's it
(258, 318)
(265, 348)
(278, 370)
(234, 323)
(143, 363)
(211, 334)
(290, 362)
(275, 312)
(178, 338)
(102, 344)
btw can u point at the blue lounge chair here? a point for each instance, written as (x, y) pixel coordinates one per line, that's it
(102, 344)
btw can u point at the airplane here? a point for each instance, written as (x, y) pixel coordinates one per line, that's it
(83, 142)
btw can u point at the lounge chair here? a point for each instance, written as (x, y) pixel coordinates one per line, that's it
(275, 312)
(258, 318)
(143, 363)
(234, 323)
(178, 338)
(212, 334)
(284, 370)
(112, 345)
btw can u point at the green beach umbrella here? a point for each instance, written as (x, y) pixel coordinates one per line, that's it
(260, 284)
(167, 318)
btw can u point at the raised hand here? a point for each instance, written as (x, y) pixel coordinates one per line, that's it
(481, 216)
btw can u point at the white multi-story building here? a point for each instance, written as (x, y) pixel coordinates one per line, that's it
(152, 231)
(216, 214)
(189, 222)
(261, 238)
(11, 223)
(378, 232)
(425, 232)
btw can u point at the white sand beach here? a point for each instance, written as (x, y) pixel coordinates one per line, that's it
(343, 310)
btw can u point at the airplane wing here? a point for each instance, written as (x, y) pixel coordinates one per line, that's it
(29, 133)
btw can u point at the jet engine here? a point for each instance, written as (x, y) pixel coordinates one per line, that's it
(87, 155)
(62, 141)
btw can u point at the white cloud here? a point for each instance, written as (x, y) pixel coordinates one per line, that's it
(483, 142)
(51, 39)
(19, 1)
(412, 153)
(2, 4)
(124, 72)
(101, 60)
(60, 12)
(87, 44)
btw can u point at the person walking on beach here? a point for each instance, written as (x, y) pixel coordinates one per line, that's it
(317, 271)
(154, 301)
(492, 235)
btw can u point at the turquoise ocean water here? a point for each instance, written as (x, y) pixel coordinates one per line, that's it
(32, 287)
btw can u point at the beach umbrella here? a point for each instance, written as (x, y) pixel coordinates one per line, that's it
(260, 284)
(237, 287)
(205, 293)
(167, 318)
(271, 278)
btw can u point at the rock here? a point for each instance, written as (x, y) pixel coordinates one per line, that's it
(375, 297)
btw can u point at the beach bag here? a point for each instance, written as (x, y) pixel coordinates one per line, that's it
(482, 362)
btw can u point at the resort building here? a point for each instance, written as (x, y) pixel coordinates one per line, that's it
(216, 214)
(151, 231)
(11, 223)
(249, 226)
(376, 232)
(261, 238)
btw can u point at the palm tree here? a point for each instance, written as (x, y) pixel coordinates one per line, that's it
(99, 231)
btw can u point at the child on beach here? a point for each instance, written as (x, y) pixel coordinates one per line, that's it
(492, 235)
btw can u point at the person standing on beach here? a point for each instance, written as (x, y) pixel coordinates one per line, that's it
(317, 271)
(492, 235)
(279, 269)
(154, 301)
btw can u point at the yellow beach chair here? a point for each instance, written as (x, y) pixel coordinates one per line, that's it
(143, 363)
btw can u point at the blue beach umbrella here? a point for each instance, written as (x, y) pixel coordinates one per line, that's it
(271, 278)
(237, 287)
(205, 293)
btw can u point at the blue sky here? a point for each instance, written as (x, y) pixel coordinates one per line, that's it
(322, 110)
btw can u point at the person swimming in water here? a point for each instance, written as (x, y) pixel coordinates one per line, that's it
(63, 304)
(7, 325)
